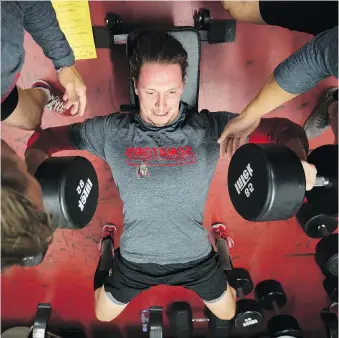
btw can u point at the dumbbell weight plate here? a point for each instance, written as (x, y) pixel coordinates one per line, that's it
(202, 19)
(240, 278)
(325, 199)
(283, 326)
(155, 324)
(113, 22)
(180, 316)
(261, 335)
(221, 31)
(70, 190)
(314, 223)
(33, 260)
(206, 17)
(331, 323)
(331, 287)
(266, 182)
(269, 291)
(326, 255)
(218, 328)
(248, 314)
(72, 333)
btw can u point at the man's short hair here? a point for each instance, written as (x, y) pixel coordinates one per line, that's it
(157, 46)
(25, 230)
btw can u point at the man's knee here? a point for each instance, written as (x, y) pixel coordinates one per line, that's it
(223, 313)
(225, 307)
(108, 317)
(28, 112)
(106, 307)
(247, 11)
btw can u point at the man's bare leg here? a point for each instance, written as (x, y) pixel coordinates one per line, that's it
(28, 113)
(224, 307)
(246, 11)
(106, 309)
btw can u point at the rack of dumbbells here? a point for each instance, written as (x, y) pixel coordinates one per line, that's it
(318, 219)
(40, 327)
(248, 312)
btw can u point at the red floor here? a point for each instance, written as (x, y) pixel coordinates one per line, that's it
(230, 76)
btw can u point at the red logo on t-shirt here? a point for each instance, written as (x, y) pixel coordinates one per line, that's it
(172, 156)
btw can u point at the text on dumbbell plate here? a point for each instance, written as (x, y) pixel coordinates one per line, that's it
(249, 322)
(84, 191)
(242, 181)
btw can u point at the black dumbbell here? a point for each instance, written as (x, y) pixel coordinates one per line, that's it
(325, 197)
(330, 285)
(214, 30)
(218, 328)
(315, 224)
(248, 313)
(72, 333)
(180, 318)
(113, 22)
(330, 320)
(271, 296)
(266, 182)
(202, 19)
(30, 261)
(152, 321)
(181, 322)
(70, 190)
(39, 328)
(326, 255)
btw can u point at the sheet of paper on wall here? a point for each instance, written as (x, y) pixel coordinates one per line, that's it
(75, 21)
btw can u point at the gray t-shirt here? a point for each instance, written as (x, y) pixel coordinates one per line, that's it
(163, 175)
(315, 61)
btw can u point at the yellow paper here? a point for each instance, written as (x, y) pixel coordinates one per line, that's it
(75, 21)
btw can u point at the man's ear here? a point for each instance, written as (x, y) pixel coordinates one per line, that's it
(135, 87)
(182, 88)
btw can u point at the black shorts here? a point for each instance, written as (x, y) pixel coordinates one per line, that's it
(311, 17)
(203, 276)
(9, 104)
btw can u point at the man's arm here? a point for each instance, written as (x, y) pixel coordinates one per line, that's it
(88, 135)
(315, 61)
(40, 21)
(270, 130)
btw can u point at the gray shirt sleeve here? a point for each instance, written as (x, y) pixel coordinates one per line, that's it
(90, 134)
(315, 61)
(39, 19)
(218, 121)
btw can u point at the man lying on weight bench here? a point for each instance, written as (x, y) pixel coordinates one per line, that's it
(162, 159)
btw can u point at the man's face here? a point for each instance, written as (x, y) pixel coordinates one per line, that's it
(33, 189)
(159, 89)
